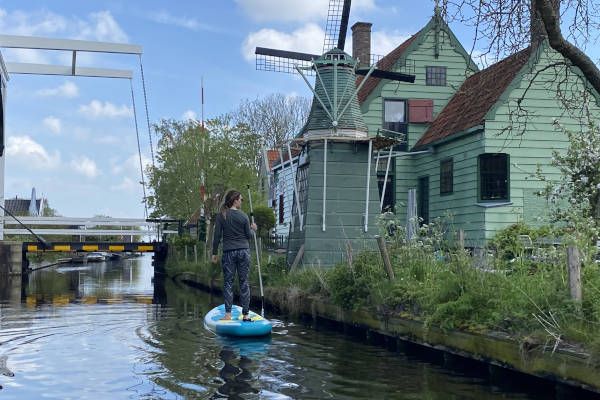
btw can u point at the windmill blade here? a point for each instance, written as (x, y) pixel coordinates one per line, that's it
(337, 24)
(393, 76)
(282, 60)
(344, 24)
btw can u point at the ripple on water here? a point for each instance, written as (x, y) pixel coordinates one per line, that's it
(60, 343)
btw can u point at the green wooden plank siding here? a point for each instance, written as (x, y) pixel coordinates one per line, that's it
(453, 58)
(461, 204)
(345, 207)
(533, 147)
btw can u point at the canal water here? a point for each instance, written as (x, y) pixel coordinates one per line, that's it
(112, 330)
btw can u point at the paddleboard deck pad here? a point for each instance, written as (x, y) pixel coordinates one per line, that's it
(236, 327)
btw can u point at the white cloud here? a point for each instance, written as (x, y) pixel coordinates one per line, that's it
(294, 10)
(67, 89)
(27, 152)
(189, 114)
(308, 39)
(97, 109)
(26, 56)
(102, 27)
(383, 42)
(163, 17)
(37, 23)
(53, 123)
(131, 166)
(108, 139)
(127, 185)
(84, 166)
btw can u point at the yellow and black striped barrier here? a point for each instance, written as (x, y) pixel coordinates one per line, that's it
(76, 247)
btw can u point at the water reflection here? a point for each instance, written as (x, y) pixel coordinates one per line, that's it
(117, 330)
(236, 378)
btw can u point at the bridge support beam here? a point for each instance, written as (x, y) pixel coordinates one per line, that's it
(12, 258)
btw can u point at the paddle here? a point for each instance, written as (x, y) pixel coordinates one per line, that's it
(262, 296)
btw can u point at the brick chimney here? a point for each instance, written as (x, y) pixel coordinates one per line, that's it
(361, 43)
(537, 30)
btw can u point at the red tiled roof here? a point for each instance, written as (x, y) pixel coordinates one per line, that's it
(272, 156)
(277, 161)
(474, 98)
(386, 64)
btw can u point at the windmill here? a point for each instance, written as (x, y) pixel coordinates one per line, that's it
(330, 216)
(335, 37)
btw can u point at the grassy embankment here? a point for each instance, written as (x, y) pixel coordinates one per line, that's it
(525, 296)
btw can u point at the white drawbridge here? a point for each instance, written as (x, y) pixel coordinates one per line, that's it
(68, 225)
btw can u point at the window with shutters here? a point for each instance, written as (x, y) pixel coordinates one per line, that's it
(394, 120)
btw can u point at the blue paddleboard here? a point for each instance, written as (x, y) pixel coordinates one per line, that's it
(236, 327)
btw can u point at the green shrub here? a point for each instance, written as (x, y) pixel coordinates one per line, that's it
(352, 285)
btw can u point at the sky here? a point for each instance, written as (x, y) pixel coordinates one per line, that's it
(74, 138)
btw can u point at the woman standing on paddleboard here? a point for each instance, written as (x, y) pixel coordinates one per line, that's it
(233, 227)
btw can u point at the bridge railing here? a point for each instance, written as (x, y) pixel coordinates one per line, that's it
(96, 226)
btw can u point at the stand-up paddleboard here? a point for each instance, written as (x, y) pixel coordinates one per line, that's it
(236, 327)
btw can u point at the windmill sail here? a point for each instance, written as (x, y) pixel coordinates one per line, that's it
(337, 24)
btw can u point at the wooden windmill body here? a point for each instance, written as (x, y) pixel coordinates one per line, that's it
(336, 198)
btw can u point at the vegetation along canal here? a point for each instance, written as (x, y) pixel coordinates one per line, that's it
(113, 330)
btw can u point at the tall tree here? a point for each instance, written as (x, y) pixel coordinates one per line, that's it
(503, 27)
(224, 153)
(274, 118)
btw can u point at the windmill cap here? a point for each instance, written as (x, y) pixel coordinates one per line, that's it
(335, 54)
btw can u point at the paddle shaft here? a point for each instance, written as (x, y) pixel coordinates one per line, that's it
(262, 296)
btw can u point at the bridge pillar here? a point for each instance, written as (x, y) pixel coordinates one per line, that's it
(161, 251)
(12, 259)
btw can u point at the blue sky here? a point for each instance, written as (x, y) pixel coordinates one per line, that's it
(74, 139)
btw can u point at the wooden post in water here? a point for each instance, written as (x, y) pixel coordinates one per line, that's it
(574, 273)
(385, 257)
(196, 254)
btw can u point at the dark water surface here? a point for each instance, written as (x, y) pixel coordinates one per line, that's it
(110, 331)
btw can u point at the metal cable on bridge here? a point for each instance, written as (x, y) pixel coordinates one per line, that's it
(137, 134)
(147, 114)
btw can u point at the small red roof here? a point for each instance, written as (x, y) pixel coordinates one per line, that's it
(386, 64)
(476, 96)
(272, 156)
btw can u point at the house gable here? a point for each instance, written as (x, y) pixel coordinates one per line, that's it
(477, 95)
(417, 52)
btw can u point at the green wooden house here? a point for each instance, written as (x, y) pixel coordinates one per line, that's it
(473, 138)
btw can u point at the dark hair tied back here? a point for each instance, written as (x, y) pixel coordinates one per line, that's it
(230, 197)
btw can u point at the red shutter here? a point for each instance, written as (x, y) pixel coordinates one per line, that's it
(420, 110)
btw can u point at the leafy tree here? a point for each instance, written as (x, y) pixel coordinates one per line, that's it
(223, 153)
(578, 189)
(265, 220)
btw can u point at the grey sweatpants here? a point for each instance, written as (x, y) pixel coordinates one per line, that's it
(231, 261)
